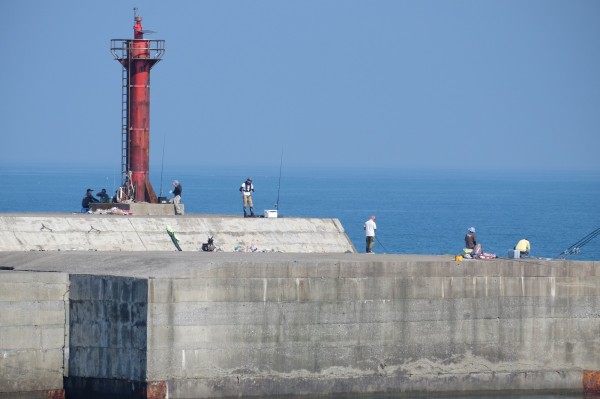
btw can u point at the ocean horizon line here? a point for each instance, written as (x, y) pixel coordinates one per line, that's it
(274, 170)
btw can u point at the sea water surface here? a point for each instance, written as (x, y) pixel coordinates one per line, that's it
(418, 212)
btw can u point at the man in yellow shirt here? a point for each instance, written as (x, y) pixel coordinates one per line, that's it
(523, 247)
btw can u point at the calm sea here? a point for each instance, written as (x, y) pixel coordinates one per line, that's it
(418, 212)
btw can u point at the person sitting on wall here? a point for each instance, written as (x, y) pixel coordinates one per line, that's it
(470, 238)
(87, 200)
(470, 243)
(523, 247)
(103, 195)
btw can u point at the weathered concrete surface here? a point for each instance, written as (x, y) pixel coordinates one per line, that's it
(107, 334)
(33, 333)
(138, 208)
(257, 324)
(88, 232)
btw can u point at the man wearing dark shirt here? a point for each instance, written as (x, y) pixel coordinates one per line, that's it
(103, 195)
(87, 200)
(177, 189)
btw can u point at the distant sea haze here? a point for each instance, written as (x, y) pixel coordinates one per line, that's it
(425, 212)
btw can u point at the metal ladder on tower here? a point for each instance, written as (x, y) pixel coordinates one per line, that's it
(124, 122)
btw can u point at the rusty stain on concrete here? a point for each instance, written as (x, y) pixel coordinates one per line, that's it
(55, 394)
(156, 390)
(591, 382)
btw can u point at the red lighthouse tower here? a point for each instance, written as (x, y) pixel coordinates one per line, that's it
(137, 56)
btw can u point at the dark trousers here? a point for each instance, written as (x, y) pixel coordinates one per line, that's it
(370, 242)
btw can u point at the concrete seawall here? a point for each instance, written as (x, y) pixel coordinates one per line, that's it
(34, 320)
(190, 325)
(85, 232)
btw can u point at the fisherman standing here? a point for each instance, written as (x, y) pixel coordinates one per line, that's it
(177, 189)
(247, 189)
(370, 228)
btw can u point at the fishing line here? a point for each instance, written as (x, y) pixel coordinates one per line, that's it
(162, 165)
(279, 183)
(381, 244)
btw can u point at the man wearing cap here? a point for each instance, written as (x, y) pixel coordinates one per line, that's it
(370, 228)
(247, 189)
(471, 238)
(103, 195)
(177, 189)
(87, 200)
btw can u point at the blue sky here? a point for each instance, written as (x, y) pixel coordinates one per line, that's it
(488, 85)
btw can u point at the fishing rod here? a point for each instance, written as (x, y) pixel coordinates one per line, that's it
(576, 248)
(162, 165)
(381, 244)
(279, 183)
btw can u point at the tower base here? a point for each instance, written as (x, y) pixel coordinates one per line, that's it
(138, 208)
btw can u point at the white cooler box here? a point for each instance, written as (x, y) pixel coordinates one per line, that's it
(270, 213)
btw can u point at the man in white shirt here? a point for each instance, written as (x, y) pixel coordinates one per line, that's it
(247, 189)
(370, 228)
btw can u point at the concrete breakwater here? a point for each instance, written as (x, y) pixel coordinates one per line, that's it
(192, 324)
(89, 232)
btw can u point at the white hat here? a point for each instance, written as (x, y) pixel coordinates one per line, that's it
(471, 229)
